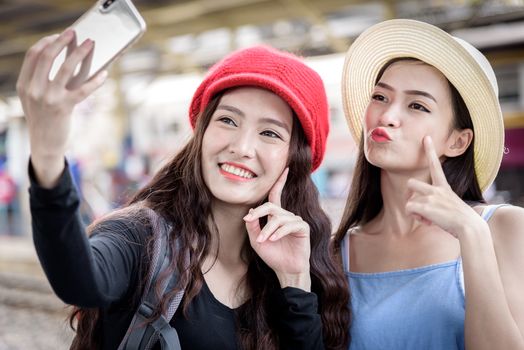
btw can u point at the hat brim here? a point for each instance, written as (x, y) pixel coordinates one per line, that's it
(408, 38)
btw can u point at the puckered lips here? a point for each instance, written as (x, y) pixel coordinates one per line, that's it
(237, 172)
(380, 135)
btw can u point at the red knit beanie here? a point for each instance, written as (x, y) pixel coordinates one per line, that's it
(280, 72)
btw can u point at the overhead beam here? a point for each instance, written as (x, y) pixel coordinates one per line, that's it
(192, 10)
(316, 17)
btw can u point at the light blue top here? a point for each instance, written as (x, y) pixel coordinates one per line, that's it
(420, 308)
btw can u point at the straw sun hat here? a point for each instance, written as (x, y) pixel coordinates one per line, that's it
(463, 65)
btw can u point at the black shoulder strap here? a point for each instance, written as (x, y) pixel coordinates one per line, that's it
(142, 335)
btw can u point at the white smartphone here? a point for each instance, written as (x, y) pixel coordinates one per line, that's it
(113, 25)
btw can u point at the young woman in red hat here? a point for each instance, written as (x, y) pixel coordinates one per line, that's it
(238, 199)
(430, 264)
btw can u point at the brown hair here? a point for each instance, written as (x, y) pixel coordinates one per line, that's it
(179, 194)
(365, 198)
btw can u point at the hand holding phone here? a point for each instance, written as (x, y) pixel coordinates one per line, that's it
(113, 26)
(57, 74)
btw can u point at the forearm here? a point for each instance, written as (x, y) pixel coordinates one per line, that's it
(299, 323)
(489, 323)
(67, 257)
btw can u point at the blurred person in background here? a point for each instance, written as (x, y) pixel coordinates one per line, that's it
(429, 263)
(238, 197)
(7, 199)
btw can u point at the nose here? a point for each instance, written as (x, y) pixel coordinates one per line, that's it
(391, 116)
(243, 145)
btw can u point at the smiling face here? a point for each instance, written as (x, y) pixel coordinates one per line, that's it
(246, 145)
(411, 100)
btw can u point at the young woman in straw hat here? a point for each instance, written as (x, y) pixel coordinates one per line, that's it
(430, 264)
(238, 199)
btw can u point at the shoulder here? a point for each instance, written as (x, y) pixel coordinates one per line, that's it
(350, 234)
(356, 230)
(508, 219)
(132, 224)
(507, 230)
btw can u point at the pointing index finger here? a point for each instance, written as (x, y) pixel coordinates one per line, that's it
(275, 193)
(438, 177)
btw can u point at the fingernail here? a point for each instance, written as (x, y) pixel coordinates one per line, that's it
(87, 44)
(249, 215)
(68, 33)
(260, 239)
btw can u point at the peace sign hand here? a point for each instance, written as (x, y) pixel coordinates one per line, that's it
(283, 243)
(436, 203)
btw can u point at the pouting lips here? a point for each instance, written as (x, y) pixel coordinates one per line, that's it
(380, 135)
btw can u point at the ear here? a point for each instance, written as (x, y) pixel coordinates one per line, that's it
(458, 142)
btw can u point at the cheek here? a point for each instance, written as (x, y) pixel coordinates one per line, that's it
(275, 159)
(369, 119)
(213, 141)
(436, 131)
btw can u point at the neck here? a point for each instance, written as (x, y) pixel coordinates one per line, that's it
(231, 232)
(395, 194)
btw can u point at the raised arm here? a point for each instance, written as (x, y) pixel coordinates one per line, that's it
(48, 104)
(94, 272)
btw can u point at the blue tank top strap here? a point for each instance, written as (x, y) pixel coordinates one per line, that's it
(460, 278)
(345, 251)
(489, 210)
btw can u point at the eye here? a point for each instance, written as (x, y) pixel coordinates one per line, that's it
(378, 97)
(270, 133)
(227, 120)
(419, 107)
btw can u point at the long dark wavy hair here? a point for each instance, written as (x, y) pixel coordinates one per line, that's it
(365, 199)
(178, 193)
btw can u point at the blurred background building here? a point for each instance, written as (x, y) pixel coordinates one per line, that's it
(138, 119)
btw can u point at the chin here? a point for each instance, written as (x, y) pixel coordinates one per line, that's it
(386, 160)
(227, 198)
(385, 164)
(375, 159)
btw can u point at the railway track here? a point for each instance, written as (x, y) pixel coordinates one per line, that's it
(31, 316)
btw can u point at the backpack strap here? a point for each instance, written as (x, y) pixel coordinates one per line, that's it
(142, 334)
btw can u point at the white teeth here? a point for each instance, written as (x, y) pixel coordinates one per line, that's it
(237, 171)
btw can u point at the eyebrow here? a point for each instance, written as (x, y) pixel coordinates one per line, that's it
(276, 122)
(263, 120)
(231, 109)
(408, 92)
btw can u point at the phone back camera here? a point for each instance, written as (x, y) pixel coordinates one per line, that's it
(107, 3)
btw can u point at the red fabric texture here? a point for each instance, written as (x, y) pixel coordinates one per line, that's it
(280, 72)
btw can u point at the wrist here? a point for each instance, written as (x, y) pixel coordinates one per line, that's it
(473, 231)
(301, 281)
(46, 151)
(47, 170)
